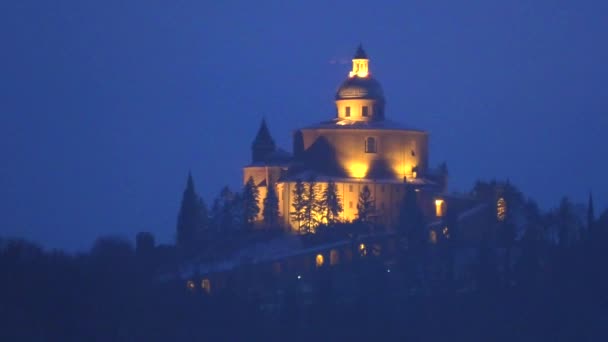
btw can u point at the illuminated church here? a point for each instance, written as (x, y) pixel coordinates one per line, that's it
(359, 147)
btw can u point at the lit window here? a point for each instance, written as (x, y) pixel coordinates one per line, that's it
(362, 249)
(501, 209)
(347, 111)
(370, 145)
(365, 111)
(350, 204)
(433, 237)
(319, 260)
(350, 188)
(206, 285)
(439, 207)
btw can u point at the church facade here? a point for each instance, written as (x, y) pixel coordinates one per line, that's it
(359, 147)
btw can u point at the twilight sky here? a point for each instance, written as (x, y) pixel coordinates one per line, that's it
(106, 105)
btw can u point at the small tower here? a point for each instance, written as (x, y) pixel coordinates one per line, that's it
(360, 63)
(262, 145)
(360, 97)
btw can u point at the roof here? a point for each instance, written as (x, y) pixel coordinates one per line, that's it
(360, 53)
(263, 137)
(279, 157)
(352, 124)
(360, 88)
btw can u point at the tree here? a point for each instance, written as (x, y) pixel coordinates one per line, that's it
(311, 206)
(332, 205)
(411, 219)
(271, 207)
(566, 222)
(298, 204)
(226, 212)
(191, 220)
(251, 207)
(365, 206)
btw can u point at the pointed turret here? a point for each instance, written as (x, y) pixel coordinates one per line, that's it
(360, 64)
(263, 145)
(360, 53)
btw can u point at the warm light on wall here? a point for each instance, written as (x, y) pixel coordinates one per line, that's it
(357, 170)
(319, 260)
(360, 68)
(439, 207)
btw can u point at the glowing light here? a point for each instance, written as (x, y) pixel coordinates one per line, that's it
(439, 207)
(362, 249)
(319, 260)
(360, 68)
(388, 270)
(446, 232)
(357, 170)
(190, 285)
(299, 276)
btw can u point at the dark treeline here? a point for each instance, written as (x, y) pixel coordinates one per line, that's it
(547, 282)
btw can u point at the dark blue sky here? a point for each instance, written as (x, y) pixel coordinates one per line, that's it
(106, 105)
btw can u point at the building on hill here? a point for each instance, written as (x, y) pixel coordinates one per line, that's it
(359, 147)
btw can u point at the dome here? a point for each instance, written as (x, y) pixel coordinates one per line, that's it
(360, 88)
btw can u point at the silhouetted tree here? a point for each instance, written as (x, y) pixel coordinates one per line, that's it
(312, 207)
(298, 204)
(411, 218)
(144, 244)
(331, 203)
(192, 220)
(365, 206)
(566, 223)
(227, 213)
(251, 207)
(271, 207)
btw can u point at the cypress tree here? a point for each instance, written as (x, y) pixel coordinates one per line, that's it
(365, 206)
(250, 198)
(298, 203)
(311, 206)
(271, 207)
(191, 220)
(332, 203)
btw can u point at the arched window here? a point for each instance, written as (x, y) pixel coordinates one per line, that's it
(370, 145)
(319, 260)
(206, 285)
